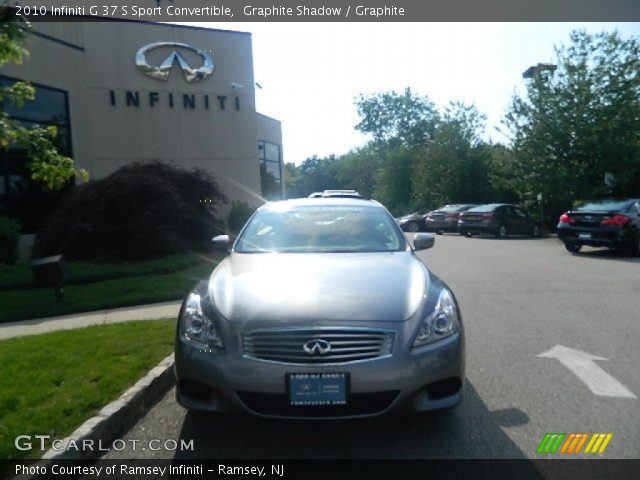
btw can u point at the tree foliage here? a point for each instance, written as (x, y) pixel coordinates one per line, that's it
(576, 125)
(313, 175)
(567, 131)
(47, 166)
(454, 168)
(138, 212)
(390, 117)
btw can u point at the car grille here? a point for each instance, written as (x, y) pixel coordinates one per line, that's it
(346, 345)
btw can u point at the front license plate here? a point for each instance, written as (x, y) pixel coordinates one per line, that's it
(316, 389)
(584, 235)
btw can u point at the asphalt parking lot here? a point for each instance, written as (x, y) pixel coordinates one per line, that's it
(520, 298)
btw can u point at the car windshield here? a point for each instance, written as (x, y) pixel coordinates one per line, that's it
(484, 208)
(450, 208)
(604, 206)
(320, 228)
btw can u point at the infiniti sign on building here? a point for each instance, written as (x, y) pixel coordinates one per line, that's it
(121, 92)
(162, 71)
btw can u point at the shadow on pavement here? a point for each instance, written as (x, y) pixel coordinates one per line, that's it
(469, 431)
(606, 254)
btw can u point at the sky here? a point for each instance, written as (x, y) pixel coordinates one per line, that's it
(311, 72)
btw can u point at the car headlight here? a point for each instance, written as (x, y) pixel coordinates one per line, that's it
(440, 323)
(195, 327)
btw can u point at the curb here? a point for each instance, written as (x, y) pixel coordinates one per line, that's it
(115, 417)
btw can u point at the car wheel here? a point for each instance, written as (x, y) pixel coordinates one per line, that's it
(572, 247)
(502, 231)
(412, 227)
(440, 231)
(535, 232)
(467, 234)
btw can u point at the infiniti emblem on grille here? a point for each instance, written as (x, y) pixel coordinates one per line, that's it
(317, 347)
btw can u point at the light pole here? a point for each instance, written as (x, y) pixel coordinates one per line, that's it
(541, 212)
(531, 73)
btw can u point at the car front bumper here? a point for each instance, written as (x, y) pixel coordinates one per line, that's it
(423, 379)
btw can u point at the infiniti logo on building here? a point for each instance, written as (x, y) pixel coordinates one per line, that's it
(317, 347)
(162, 71)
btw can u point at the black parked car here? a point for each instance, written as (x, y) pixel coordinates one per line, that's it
(605, 223)
(499, 219)
(413, 222)
(445, 219)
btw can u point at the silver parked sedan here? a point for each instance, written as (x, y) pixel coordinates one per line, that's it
(321, 310)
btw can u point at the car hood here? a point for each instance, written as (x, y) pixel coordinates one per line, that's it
(281, 288)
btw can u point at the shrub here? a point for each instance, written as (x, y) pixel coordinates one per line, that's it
(238, 216)
(9, 236)
(139, 212)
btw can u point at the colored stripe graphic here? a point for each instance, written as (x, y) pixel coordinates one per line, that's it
(574, 443)
(550, 443)
(598, 443)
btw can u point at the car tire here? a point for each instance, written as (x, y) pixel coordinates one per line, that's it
(466, 233)
(502, 231)
(440, 231)
(535, 231)
(572, 247)
(413, 227)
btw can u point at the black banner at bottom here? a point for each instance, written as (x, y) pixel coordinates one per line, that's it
(319, 469)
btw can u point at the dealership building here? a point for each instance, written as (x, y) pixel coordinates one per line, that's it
(121, 92)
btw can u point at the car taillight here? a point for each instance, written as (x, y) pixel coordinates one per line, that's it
(620, 220)
(565, 218)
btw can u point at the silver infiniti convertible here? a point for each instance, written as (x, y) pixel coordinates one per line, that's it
(320, 310)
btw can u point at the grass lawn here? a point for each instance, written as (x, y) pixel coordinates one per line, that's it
(120, 292)
(52, 383)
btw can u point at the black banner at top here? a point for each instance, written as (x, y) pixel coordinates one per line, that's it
(331, 10)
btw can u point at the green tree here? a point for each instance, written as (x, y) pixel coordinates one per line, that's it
(576, 124)
(397, 118)
(315, 174)
(357, 169)
(291, 179)
(392, 185)
(47, 166)
(455, 167)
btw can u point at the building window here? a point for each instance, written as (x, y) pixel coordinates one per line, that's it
(270, 171)
(20, 197)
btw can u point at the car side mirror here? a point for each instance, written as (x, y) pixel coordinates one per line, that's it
(422, 241)
(222, 243)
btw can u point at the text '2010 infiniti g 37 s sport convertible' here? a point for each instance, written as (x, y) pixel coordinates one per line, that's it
(320, 310)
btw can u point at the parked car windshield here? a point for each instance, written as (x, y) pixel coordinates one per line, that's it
(604, 206)
(484, 208)
(450, 208)
(324, 228)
